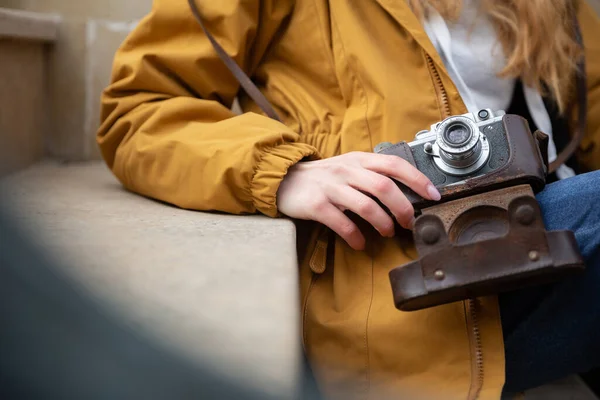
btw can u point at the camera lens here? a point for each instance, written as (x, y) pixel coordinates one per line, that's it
(461, 148)
(457, 135)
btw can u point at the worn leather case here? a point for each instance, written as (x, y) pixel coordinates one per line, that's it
(483, 245)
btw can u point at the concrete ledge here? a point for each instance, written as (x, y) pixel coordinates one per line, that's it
(207, 285)
(28, 25)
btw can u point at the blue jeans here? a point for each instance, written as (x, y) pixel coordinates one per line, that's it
(553, 331)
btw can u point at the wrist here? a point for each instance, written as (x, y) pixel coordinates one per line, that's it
(273, 167)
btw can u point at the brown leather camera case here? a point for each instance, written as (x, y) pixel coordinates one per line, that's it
(482, 245)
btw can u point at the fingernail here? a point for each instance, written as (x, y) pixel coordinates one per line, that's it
(390, 234)
(411, 224)
(433, 193)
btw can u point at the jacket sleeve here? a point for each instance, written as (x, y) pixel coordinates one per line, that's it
(167, 131)
(589, 153)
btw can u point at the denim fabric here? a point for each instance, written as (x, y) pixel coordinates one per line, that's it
(554, 330)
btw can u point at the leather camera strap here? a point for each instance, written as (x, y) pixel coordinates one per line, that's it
(264, 104)
(245, 81)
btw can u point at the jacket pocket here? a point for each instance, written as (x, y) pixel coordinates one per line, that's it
(318, 259)
(318, 265)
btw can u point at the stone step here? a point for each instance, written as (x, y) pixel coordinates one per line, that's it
(209, 286)
(25, 39)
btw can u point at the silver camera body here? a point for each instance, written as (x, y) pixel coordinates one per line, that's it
(460, 146)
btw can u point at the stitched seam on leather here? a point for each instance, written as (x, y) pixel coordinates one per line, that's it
(513, 155)
(401, 149)
(405, 152)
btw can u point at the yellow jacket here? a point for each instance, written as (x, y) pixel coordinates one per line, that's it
(344, 76)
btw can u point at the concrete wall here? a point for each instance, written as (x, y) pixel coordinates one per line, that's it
(26, 40)
(21, 134)
(80, 64)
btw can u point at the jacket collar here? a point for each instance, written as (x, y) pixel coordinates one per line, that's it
(400, 11)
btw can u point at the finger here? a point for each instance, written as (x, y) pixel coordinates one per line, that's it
(332, 217)
(384, 189)
(403, 171)
(361, 204)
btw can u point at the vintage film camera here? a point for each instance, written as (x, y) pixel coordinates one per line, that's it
(487, 235)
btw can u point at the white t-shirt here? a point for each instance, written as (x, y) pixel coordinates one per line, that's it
(473, 57)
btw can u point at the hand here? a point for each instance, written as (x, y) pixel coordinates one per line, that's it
(322, 190)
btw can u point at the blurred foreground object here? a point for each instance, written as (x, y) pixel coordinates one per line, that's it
(216, 288)
(56, 343)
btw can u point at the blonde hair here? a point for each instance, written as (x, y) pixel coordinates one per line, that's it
(537, 37)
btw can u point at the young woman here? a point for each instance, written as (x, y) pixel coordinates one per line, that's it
(345, 76)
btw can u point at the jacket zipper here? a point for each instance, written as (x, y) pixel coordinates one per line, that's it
(472, 305)
(439, 87)
(477, 352)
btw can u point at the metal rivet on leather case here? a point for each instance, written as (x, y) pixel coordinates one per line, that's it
(439, 275)
(430, 234)
(525, 214)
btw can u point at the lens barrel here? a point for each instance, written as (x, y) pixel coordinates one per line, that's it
(457, 135)
(462, 148)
